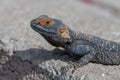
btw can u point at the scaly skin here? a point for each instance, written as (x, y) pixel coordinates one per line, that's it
(86, 47)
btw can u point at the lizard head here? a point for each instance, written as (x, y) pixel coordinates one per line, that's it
(53, 30)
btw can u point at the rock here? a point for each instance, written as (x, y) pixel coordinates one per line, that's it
(25, 55)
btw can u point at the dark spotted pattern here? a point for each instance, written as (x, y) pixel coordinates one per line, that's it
(86, 47)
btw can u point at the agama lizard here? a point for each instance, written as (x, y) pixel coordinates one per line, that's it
(88, 48)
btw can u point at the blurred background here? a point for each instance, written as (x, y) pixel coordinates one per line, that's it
(95, 17)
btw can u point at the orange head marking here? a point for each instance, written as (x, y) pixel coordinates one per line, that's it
(46, 22)
(64, 33)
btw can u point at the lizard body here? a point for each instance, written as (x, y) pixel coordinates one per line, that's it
(88, 48)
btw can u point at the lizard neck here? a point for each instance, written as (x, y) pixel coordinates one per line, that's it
(80, 36)
(74, 35)
(83, 38)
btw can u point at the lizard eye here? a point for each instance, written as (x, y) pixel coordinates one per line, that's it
(46, 23)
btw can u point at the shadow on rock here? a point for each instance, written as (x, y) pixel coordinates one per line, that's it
(15, 68)
(38, 56)
(23, 65)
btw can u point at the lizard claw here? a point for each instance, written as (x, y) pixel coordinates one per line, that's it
(71, 65)
(65, 69)
(74, 65)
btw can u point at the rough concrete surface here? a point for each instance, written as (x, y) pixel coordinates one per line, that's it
(25, 55)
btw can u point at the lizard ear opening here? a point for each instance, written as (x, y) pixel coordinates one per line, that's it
(64, 32)
(47, 23)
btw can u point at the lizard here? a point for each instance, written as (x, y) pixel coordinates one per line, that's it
(88, 48)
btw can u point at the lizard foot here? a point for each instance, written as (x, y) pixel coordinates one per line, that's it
(71, 65)
(74, 65)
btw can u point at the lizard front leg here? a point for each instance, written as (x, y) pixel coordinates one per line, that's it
(87, 57)
(87, 52)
